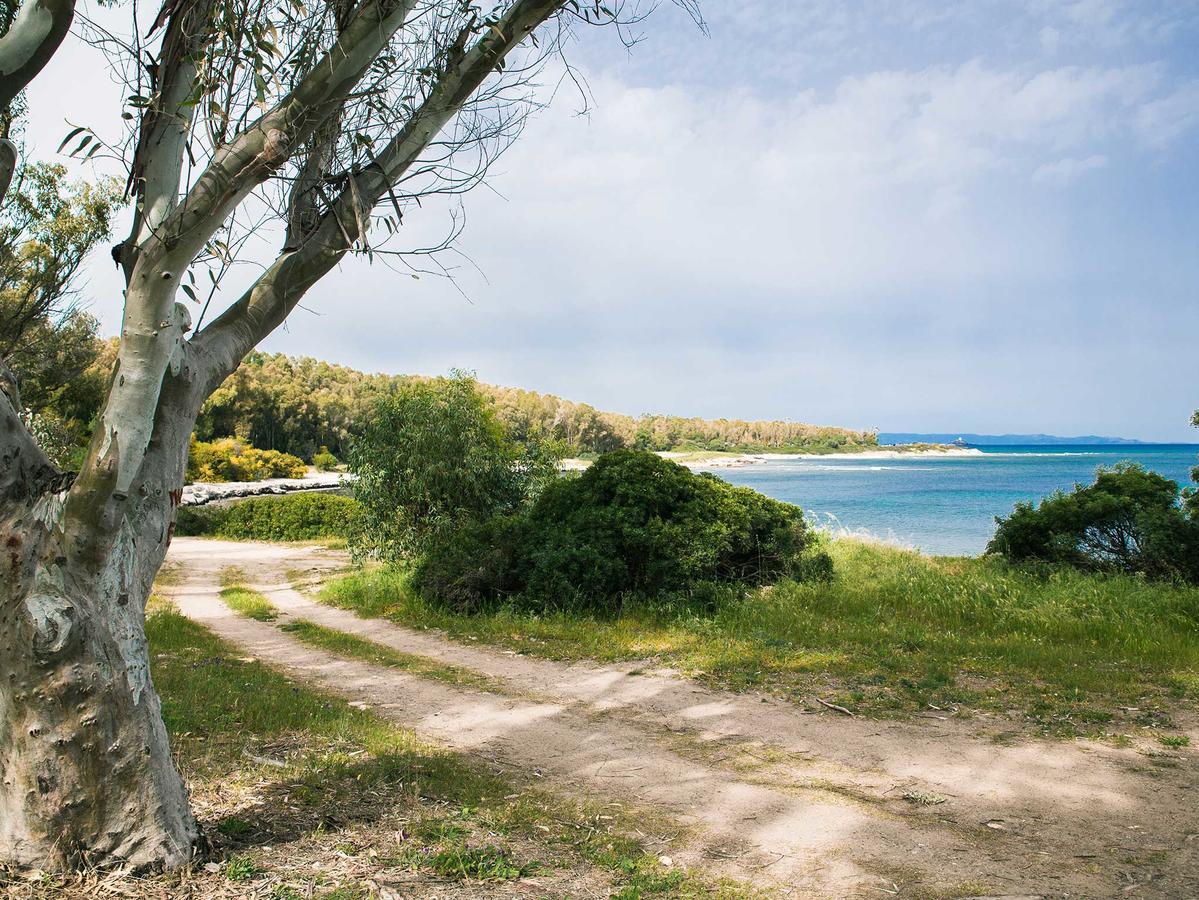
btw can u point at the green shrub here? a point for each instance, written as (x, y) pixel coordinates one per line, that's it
(324, 460)
(474, 566)
(1128, 521)
(229, 459)
(631, 525)
(435, 459)
(291, 517)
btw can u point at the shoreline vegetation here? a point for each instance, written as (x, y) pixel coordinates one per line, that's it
(299, 405)
(198, 493)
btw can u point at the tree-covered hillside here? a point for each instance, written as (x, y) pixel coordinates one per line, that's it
(299, 404)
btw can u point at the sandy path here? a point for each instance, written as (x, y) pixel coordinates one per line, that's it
(810, 802)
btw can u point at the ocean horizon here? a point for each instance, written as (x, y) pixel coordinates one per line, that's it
(944, 505)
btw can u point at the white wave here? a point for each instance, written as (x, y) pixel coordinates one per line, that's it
(1033, 455)
(828, 523)
(800, 468)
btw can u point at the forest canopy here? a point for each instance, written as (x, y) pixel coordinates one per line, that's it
(298, 405)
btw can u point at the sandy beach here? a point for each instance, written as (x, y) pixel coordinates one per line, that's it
(724, 461)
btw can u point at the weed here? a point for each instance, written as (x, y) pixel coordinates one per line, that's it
(241, 868)
(923, 798)
(249, 603)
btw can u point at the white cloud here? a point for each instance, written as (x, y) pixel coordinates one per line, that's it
(1064, 171)
(814, 196)
(1165, 120)
(871, 249)
(725, 252)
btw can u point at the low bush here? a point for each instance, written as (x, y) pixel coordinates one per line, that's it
(324, 460)
(1128, 521)
(229, 459)
(632, 525)
(292, 517)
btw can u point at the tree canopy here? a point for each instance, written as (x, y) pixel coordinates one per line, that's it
(299, 404)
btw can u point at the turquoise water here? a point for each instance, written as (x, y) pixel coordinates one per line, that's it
(944, 505)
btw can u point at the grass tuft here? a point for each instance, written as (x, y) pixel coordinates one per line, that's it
(381, 655)
(249, 603)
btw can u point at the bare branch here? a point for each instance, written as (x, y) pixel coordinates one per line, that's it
(266, 145)
(158, 159)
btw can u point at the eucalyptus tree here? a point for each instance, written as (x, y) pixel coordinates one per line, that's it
(317, 121)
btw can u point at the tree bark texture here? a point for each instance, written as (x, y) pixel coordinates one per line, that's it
(86, 775)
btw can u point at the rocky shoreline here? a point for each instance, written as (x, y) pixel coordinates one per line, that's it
(208, 492)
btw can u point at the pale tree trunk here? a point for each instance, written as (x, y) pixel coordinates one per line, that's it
(86, 775)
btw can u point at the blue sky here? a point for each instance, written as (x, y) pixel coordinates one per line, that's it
(977, 217)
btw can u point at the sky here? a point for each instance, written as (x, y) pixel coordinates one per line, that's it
(893, 214)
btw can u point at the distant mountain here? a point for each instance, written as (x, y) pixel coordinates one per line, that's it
(997, 440)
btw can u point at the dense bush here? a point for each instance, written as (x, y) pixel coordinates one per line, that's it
(631, 525)
(434, 459)
(291, 517)
(229, 459)
(1130, 521)
(324, 460)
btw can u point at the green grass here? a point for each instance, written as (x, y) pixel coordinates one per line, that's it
(300, 782)
(894, 632)
(381, 655)
(249, 603)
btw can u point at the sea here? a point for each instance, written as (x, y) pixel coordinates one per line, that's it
(943, 505)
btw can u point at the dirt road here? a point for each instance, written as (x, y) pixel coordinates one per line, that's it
(809, 804)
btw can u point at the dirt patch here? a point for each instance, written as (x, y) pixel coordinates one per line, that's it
(810, 801)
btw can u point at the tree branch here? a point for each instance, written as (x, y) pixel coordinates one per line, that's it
(25, 471)
(8, 165)
(158, 158)
(224, 342)
(31, 40)
(303, 203)
(153, 324)
(265, 146)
